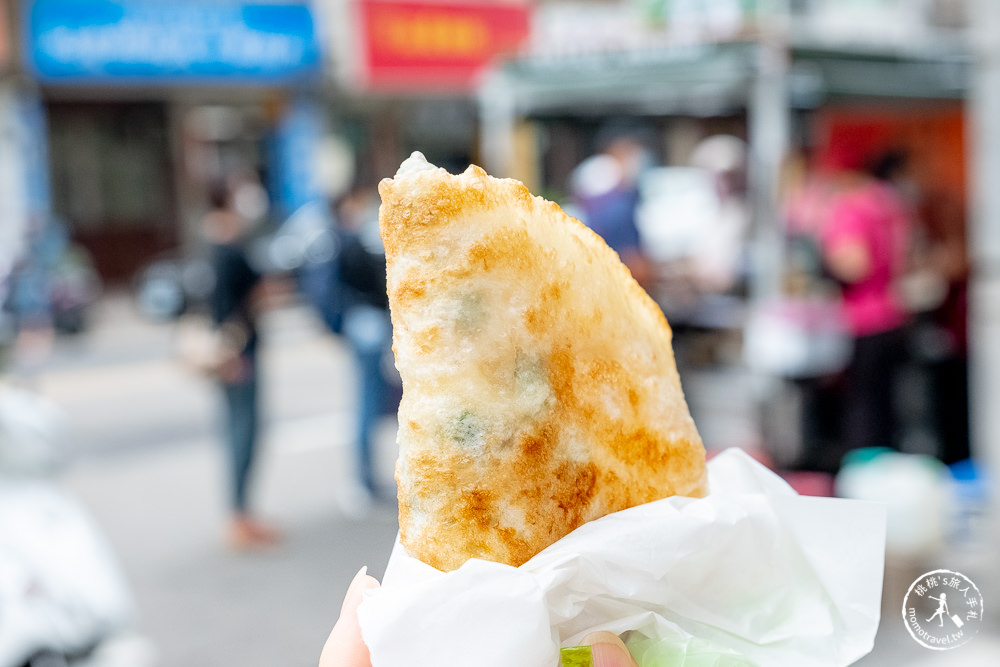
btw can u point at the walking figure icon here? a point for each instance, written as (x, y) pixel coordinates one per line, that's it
(941, 610)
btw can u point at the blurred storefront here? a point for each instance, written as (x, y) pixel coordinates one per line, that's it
(784, 76)
(790, 78)
(776, 73)
(145, 102)
(406, 71)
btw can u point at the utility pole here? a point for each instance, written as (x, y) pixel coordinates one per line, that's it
(497, 119)
(984, 234)
(769, 137)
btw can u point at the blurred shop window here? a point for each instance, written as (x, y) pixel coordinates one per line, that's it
(112, 181)
(109, 164)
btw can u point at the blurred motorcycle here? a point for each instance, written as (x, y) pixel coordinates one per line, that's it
(53, 283)
(172, 285)
(63, 598)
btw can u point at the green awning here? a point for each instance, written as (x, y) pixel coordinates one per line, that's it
(715, 79)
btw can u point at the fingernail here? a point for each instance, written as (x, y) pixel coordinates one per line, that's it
(363, 581)
(353, 591)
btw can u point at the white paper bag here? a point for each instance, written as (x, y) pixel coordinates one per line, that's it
(752, 570)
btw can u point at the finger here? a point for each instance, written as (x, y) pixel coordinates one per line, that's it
(608, 650)
(345, 647)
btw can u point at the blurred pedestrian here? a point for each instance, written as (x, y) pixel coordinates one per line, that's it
(605, 189)
(234, 309)
(866, 240)
(944, 327)
(367, 329)
(718, 258)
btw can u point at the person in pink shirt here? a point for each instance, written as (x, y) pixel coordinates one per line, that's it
(865, 245)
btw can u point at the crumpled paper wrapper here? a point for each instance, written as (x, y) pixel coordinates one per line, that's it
(751, 574)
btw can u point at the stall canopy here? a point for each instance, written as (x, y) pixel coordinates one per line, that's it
(708, 79)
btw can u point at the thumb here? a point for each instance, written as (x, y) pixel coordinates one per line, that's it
(608, 650)
(344, 647)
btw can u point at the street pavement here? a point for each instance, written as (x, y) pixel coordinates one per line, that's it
(143, 458)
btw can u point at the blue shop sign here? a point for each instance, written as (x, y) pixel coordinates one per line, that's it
(186, 40)
(293, 149)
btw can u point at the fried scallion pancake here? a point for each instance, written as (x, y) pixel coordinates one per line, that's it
(539, 383)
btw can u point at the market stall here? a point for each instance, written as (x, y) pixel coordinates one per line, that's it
(778, 90)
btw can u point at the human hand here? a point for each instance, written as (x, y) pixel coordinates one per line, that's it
(607, 650)
(345, 647)
(233, 370)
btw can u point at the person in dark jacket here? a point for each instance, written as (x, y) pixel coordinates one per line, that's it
(234, 315)
(366, 327)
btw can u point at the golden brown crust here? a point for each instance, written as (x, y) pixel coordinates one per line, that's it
(539, 385)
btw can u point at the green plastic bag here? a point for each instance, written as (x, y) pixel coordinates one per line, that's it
(682, 652)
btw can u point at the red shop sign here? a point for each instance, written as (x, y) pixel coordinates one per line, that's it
(438, 45)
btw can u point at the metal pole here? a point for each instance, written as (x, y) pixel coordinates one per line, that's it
(768, 142)
(984, 234)
(497, 118)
